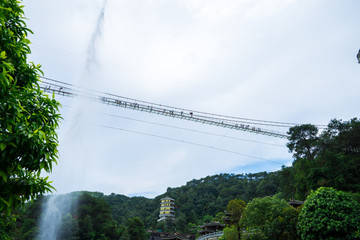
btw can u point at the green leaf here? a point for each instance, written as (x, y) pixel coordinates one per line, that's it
(6, 202)
(43, 165)
(27, 41)
(11, 200)
(3, 175)
(2, 146)
(12, 144)
(9, 128)
(41, 134)
(8, 9)
(3, 55)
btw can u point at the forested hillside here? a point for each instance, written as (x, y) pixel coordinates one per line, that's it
(198, 198)
(196, 202)
(330, 158)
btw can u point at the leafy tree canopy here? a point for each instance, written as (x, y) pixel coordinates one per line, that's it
(269, 218)
(329, 214)
(136, 229)
(329, 159)
(235, 208)
(28, 118)
(230, 233)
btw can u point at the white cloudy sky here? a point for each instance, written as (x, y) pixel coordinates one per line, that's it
(278, 60)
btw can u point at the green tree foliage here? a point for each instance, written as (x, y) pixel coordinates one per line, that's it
(193, 228)
(329, 214)
(169, 225)
(210, 195)
(94, 212)
(303, 142)
(235, 208)
(86, 231)
(89, 219)
(196, 202)
(136, 229)
(27, 224)
(124, 207)
(69, 228)
(269, 218)
(180, 223)
(28, 117)
(120, 207)
(230, 233)
(329, 159)
(207, 218)
(219, 217)
(287, 188)
(29, 230)
(196, 199)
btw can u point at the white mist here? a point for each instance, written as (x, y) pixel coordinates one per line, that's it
(53, 211)
(56, 207)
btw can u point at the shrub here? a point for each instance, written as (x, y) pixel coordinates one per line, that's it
(329, 214)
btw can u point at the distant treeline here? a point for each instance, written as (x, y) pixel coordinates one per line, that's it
(196, 202)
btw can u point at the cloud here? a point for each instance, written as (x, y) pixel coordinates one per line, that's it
(275, 60)
(215, 11)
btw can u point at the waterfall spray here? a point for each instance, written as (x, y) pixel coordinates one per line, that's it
(91, 51)
(91, 64)
(56, 207)
(53, 212)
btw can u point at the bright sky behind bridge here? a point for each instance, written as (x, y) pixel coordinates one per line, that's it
(277, 60)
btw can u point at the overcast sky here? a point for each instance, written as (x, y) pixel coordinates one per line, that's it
(275, 60)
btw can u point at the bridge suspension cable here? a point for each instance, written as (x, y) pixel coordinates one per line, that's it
(243, 124)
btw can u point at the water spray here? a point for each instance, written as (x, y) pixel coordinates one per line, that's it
(56, 207)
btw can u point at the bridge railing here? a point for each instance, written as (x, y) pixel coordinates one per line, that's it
(211, 235)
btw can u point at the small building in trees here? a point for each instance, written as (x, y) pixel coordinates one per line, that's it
(167, 209)
(211, 231)
(227, 218)
(296, 203)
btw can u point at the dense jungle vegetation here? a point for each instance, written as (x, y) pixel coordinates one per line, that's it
(196, 202)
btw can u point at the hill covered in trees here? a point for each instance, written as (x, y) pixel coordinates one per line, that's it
(330, 158)
(197, 198)
(198, 201)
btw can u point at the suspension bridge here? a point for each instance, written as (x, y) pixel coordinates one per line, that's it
(242, 124)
